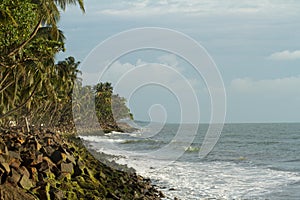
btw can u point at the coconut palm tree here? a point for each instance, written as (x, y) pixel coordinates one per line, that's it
(28, 44)
(48, 15)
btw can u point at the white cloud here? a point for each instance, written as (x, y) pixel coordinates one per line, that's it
(191, 7)
(168, 59)
(285, 55)
(272, 87)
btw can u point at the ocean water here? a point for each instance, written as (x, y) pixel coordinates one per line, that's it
(250, 161)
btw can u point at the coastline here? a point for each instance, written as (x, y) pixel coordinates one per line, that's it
(45, 164)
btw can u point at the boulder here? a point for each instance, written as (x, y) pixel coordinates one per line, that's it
(56, 194)
(71, 159)
(67, 168)
(15, 163)
(38, 159)
(15, 176)
(47, 150)
(6, 167)
(25, 182)
(3, 149)
(11, 192)
(33, 173)
(14, 154)
(45, 165)
(38, 146)
(57, 157)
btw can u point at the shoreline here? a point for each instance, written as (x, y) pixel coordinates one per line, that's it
(43, 164)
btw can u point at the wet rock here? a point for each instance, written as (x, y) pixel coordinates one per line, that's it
(161, 195)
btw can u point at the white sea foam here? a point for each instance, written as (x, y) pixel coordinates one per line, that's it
(101, 139)
(200, 180)
(203, 180)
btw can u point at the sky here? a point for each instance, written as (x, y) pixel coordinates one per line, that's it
(255, 46)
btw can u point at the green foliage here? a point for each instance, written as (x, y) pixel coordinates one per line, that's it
(103, 93)
(119, 108)
(98, 99)
(32, 86)
(30, 82)
(17, 24)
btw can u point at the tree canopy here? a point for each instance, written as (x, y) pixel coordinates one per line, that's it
(32, 86)
(29, 41)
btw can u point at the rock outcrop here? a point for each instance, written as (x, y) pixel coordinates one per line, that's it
(46, 165)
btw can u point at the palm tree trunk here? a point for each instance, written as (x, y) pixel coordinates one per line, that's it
(21, 105)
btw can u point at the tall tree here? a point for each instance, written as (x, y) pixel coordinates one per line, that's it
(29, 40)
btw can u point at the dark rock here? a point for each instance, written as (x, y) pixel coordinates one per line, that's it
(77, 171)
(110, 195)
(3, 176)
(56, 157)
(47, 150)
(56, 194)
(46, 165)
(44, 192)
(37, 159)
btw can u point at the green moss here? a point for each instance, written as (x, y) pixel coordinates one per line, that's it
(71, 195)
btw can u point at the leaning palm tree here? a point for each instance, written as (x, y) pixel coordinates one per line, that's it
(24, 68)
(49, 15)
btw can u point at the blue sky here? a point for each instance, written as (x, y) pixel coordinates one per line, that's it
(255, 45)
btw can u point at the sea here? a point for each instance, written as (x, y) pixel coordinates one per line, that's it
(249, 160)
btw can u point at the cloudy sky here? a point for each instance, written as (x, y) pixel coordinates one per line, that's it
(254, 44)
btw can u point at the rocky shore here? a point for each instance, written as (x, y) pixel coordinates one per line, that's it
(42, 164)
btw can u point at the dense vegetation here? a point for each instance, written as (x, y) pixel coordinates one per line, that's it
(36, 90)
(33, 88)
